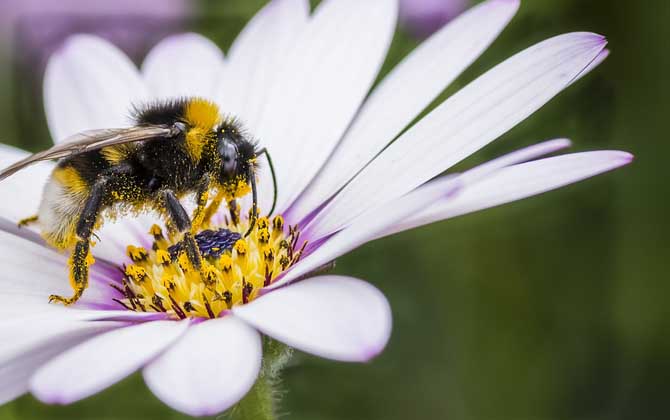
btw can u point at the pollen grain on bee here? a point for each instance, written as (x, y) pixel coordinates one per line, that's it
(235, 268)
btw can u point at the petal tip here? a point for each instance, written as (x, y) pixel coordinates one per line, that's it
(47, 397)
(599, 39)
(557, 144)
(626, 157)
(589, 39)
(77, 39)
(371, 353)
(186, 37)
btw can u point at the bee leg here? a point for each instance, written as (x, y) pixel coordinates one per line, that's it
(28, 221)
(212, 208)
(201, 198)
(171, 230)
(181, 221)
(80, 259)
(234, 212)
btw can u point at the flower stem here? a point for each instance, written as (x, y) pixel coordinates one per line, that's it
(262, 400)
(259, 403)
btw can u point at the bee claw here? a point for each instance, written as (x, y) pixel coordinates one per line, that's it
(60, 299)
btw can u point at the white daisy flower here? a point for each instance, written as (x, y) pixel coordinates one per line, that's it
(301, 84)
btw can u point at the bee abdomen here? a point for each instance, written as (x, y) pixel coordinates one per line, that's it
(62, 203)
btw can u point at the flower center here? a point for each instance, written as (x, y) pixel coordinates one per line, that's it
(234, 268)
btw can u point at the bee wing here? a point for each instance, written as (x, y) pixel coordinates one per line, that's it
(91, 140)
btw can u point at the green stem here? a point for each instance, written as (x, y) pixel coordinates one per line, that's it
(259, 403)
(262, 400)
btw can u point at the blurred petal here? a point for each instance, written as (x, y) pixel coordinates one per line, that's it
(423, 17)
(89, 83)
(467, 121)
(329, 71)
(24, 187)
(102, 361)
(517, 182)
(184, 65)
(335, 317)
(49, 339)
(208, 369)
(410, 87)
(21, 232)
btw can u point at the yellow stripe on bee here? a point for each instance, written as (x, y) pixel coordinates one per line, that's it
(202, 116)
(118, 153)
(70, 179)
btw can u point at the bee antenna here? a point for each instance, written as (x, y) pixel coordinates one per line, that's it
(254, 195)
(274, 178)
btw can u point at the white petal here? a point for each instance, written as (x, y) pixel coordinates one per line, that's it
(518, 156)
(116, 235)
(450, 185)
(102, 361)
(517, 182)
(49, 339)
(404, 93)
(257, 56)
(31, 270)
(89, 83)
(443, 187)
(209, 369)
(184, 65)
(595, 63)
(456, 197)
(23, 190)
(254, 70)
(366, 227)
(336, 317)
(467, 121)
(328, 73)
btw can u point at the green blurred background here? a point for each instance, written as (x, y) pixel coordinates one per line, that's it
(550, 308)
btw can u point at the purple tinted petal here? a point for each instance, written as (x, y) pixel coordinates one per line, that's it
(467, 121)
(517, 182)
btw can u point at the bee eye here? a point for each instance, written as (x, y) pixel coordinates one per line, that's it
(228, 153)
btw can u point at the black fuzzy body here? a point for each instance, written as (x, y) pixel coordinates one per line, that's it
(154, 166)
(154, 174)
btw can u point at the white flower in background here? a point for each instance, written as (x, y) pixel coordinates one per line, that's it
(300, 83)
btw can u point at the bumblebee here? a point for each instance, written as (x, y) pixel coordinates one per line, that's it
(175, 148)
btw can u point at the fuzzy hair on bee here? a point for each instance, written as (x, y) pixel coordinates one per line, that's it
(175, 148)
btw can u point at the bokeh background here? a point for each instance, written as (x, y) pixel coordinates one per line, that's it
(555, 307)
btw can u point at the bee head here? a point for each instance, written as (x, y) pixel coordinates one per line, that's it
(237, 152)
